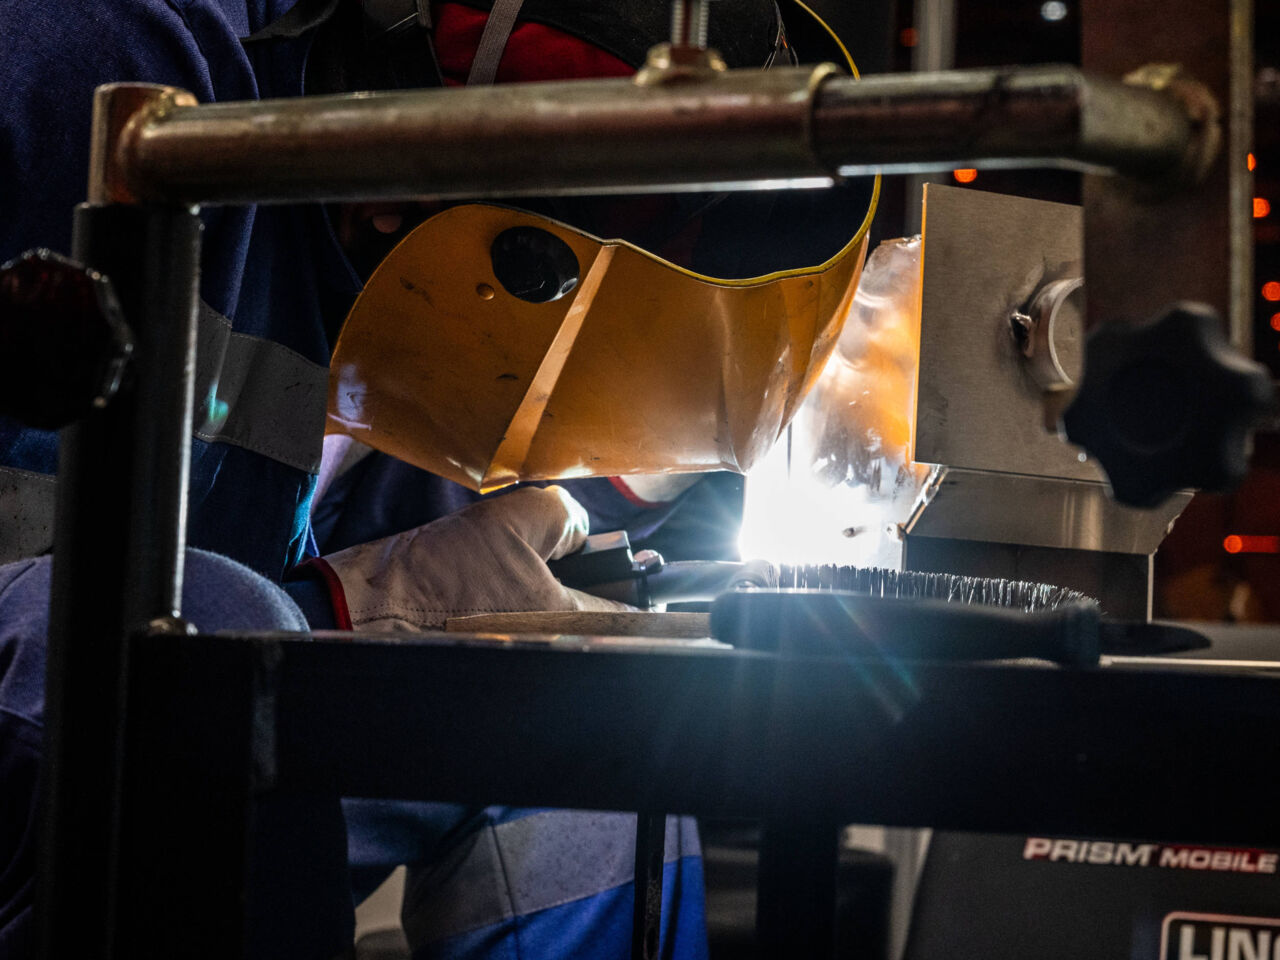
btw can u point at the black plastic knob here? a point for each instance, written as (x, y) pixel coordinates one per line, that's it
(533, 264)
(1167, 405)
(64, 343)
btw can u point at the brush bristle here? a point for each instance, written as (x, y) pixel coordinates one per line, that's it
(878, 582)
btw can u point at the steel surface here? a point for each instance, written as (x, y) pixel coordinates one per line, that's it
(1039, 511)
(736, 128)
(978, 405)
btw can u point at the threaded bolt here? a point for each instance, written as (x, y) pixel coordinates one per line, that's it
(689, 23)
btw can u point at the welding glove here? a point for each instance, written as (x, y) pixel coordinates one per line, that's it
(489, 557)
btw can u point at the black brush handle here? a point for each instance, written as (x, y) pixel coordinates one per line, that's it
(836, 623)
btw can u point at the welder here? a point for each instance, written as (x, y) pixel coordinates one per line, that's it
(276, 284)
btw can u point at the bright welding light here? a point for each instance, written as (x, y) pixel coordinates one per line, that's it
(841, 477)
(791, 516)
(765, 532)
(1053, 10)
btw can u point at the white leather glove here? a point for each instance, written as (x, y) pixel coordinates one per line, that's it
(489, 557)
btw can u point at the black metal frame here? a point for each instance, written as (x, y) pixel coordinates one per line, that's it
(119, 549)
(803, 744)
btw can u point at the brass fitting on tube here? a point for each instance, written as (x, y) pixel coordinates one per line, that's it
(1202, 111)
(119, 112)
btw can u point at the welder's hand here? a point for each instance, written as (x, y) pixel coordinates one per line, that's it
(487, 558)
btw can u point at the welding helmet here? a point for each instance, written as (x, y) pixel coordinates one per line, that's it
(561, 337)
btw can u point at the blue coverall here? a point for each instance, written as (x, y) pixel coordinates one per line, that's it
(274, 288)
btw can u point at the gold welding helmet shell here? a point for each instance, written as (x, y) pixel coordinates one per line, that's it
(496, 345)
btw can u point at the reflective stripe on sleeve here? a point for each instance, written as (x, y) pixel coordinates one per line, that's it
(258, 394)
(522, 866)
(250, 392)
(26, 513)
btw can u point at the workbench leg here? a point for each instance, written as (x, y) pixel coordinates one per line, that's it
(117, 563)
(796, 902)
(646, 924)
(191, 768)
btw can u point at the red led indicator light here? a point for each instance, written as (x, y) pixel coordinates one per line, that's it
(1251, 543)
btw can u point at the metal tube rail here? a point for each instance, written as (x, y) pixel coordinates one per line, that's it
(738, 128)
(1020, 117)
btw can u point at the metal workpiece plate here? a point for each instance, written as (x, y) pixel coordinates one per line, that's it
(1039, 512)
(456, 634)
(977, 404)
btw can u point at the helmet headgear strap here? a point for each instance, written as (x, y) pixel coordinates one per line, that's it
(497, 31)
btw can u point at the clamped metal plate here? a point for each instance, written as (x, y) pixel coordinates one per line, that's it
(980, 411)
(985, 256)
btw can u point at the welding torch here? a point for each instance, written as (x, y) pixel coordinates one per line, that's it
(607, 567)
(909, 615)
